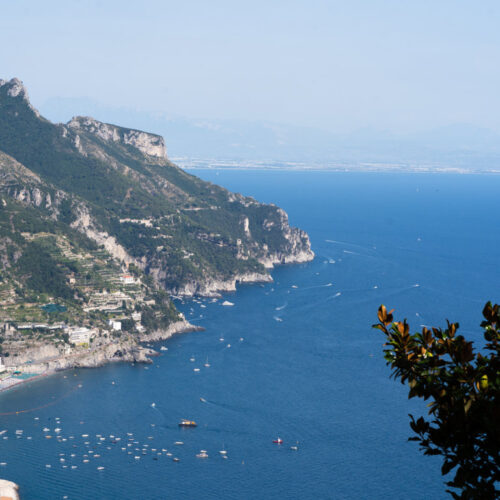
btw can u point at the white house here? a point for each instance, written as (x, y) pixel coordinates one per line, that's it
(115, 325)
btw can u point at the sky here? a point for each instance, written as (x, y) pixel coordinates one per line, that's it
(400, 65)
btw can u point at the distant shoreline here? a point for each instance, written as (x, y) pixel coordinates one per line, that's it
(355, 170)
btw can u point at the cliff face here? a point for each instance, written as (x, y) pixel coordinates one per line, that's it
(146, 143)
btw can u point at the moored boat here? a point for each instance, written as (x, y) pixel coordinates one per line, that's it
(187, 423)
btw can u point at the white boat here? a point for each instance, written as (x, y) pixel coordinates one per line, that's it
(207, 364)
(163, 348)
(178, 443)
(153, 405)
(192, 359)
(196, 369)
(100, 468)
(201, 455)
(227, 303)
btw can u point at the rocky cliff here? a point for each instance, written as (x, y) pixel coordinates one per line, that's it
(148, 144)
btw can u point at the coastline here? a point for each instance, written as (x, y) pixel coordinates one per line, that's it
(133, 351)
(109, 353)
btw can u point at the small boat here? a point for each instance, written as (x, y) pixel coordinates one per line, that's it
(207, 364)
(294, 448)
(278, 441)
(192, 359)
(187, 423)
(175, 459)
(163, 348)
(196, 369)
(153, 405)
(202, 455)
(227, 303)
(178, 443)
(100, 468)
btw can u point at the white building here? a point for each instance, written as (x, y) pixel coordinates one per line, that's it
(127, 279)
(2, 367)
(115, 325)
(80, 336)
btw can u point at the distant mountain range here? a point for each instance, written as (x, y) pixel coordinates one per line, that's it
(462, 146)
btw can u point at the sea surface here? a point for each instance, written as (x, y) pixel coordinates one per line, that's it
(295, 359)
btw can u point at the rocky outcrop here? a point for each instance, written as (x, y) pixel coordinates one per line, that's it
(173, 329)
(148, 144)
(16, 88)
(214, 287)
(85, 224)
(127, 350)
(9, 490)
(47, 358)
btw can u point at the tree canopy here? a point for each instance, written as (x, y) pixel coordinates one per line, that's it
(463, 386)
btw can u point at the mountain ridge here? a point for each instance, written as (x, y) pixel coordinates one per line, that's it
(97, 220)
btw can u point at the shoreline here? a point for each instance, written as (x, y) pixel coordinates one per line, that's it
(135, 352)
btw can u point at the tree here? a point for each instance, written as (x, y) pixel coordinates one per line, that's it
(463, 387)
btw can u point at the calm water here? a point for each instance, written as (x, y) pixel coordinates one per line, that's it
(309, 367)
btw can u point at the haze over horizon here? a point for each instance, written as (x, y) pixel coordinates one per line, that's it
(333, 72)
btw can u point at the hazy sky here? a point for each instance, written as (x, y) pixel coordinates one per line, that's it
(340, 65)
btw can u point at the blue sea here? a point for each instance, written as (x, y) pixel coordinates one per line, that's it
(295, 359)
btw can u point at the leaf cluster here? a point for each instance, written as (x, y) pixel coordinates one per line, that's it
(463, 389)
